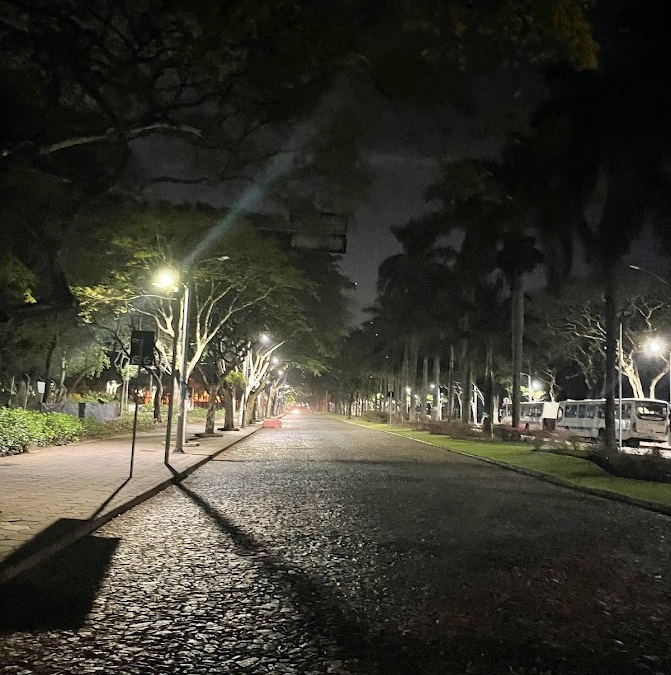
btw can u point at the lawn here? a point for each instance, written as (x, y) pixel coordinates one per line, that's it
(579, 472)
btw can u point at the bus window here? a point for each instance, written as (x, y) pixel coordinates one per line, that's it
(581, 411)
(601, 411)
(650, 410)
(571, 411)
(591, 412)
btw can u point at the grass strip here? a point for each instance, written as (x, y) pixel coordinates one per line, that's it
(579, 472)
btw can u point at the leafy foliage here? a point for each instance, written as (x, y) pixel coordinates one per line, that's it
(20, 429)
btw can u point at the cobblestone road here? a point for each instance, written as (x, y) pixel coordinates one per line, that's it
(328, 548)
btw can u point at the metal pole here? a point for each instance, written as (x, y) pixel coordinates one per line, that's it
(132, 446)
(530, 396)
(183, 385)
(620, 387)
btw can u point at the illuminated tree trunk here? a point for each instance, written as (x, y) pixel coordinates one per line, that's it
(212, 410)
(229, 410)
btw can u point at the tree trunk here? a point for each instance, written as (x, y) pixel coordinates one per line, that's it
(612, 329)
(437, 403)
(412, 372)
(450, 385)
(229, 412)
(158, 398)
(405, 377)
(517, 331)
(425, 386)
(47, 368)
(61, 390)
(466, 383)
(249, 407)
(488, 423)
(350, 402)
(211, 410)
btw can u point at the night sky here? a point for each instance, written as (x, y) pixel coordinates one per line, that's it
(402, 147)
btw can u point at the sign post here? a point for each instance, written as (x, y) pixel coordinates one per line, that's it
(142, 354)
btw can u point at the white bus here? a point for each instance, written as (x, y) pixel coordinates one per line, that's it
(537, 414)
(643, 419)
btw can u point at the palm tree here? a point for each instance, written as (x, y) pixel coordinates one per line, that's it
(598, 152)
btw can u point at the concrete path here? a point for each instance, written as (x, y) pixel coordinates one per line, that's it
(50, 497)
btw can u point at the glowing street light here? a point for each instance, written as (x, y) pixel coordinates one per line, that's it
(166, 280)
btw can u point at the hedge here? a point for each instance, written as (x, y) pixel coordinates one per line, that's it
(21, 428)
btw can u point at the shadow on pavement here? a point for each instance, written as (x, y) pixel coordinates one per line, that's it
(58, 593)
(101, 508)
(325, 612)
(429, 645)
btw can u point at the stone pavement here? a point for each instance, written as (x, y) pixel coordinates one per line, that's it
(49, 497)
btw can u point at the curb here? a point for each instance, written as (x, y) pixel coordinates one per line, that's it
(9, 571)
(594, 492)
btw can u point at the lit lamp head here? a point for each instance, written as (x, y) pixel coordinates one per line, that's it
(535, 384)
(264, 338)
(654, 347)
(166, 279)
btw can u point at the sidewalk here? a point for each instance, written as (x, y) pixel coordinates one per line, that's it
(51, 497)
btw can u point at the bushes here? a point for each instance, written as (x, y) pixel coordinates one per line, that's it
(22, 428)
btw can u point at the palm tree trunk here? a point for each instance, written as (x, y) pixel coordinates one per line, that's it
(517, 331)
(450, 385)
(437, 405)
(488, 423)
(425, 386)
(412, 372)
(405, 377)
(466, 383)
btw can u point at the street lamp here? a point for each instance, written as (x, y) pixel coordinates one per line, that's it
(173, 280)
(170, 280)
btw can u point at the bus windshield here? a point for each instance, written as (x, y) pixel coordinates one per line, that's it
(651, 410)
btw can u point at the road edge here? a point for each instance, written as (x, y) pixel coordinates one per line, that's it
(532, 473)
(8, 572)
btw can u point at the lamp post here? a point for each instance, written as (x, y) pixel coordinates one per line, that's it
(170, 280)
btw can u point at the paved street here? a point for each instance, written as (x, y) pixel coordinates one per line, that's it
(329, 548)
